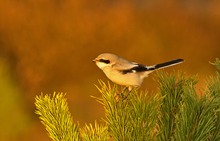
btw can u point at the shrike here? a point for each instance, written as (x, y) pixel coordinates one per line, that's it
(126, 73)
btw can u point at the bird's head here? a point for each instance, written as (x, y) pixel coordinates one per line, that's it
(105, 60)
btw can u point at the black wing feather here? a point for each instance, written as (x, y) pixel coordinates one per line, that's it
(138, 68)
(142, 68)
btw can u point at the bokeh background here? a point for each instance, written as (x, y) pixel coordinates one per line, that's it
(49, 45)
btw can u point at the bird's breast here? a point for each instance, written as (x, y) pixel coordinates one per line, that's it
(129, 79)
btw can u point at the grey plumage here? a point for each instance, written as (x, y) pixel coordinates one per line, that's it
(124, 72)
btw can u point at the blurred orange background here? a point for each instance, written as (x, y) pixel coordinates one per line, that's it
(49, 45)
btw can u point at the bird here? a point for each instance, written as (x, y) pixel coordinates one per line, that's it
(127, 73)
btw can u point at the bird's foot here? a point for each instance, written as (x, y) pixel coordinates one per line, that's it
(122, 96)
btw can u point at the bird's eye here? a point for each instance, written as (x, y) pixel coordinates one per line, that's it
(104, 61)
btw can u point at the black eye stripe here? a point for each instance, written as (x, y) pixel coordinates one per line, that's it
(104, 61)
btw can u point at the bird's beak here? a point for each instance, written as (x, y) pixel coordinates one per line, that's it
(94, 60)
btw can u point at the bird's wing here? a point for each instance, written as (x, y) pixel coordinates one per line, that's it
(123, 64)
(137, 68)
(125, 67)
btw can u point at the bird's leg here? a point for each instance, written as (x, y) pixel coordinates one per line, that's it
(128, 89)
(124, 91)
(117, 96)
(124, 94)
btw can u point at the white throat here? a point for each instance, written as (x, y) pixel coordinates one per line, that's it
(101, 65)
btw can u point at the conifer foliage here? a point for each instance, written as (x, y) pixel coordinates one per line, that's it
(55, 116)
(176, 113)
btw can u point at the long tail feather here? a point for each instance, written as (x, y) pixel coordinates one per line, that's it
(165, 64)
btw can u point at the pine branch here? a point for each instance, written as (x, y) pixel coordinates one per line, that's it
(133, 118)
(95, 133)
(196, 119)
(187, 117)
(214, 91)
(175, 113)
(171, 89)
(56, 118)
(216, 63)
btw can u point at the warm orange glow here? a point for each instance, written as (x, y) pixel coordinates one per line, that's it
(49, 45)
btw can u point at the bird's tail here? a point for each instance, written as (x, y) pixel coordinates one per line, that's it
(165, 64)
